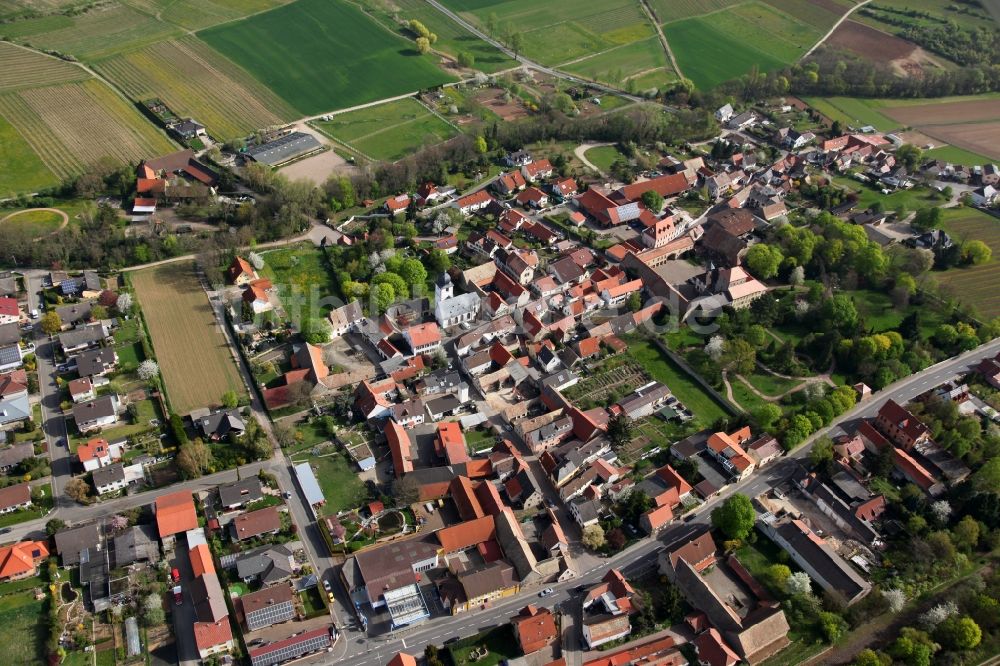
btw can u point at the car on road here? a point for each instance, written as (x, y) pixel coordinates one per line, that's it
(178, 595)
(7, 530)
(688, 518)
(546, 592)
(579, 588)
(63, 367)
(60, 441)
(288, 495)
(549, 503)
(326, 586)
(175, 575)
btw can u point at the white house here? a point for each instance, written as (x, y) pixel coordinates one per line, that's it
(10, 313)
(423, 338)
(94, 454)
(95, 414)
(984, 196)
(345, 318)
(724, 113)
(109, 479)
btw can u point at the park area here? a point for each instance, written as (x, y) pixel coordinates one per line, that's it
(388, 131)
(196, 364)
(320, 55)
(974, 285)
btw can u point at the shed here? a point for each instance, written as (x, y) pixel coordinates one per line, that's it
(308, 484)
(132, 637)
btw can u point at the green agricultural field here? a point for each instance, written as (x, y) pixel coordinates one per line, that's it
(388, 131)
(638, 66)
(20, 68)
(957, 156)
(320, 55)
(716, 48)
(975, 285)
(853, 111)
(964, 14)
(554, 31)
(197, 14)
(193, 81)
(452, 38)
(22, 629)
(818, 15)
(674, 10)
(20, 168)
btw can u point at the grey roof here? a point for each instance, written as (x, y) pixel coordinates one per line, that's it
(132, 636)
(835, 573)
(307, 481)
(441, 381)
(459, 305)
(71, 541)
(14, 409)
(10, 355)
(12, 455)
(83, 335)
(105, 476)
(74, 312)
(443, 280)
(136, 544)
(10, 334)
(92, 280)
(587, 509)
(222, 423)
(285, 148)
(99, 408)
(206, 593)
(95, 361)
(559, 379)
(8, 286)
(269, 563)
(240, 492)
(445, 403)
(643, 396)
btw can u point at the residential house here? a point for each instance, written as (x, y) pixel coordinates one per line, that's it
(606, 610)
(644, 400)
(509, 183)
(136, 544)
(399, 447)
(94, 454)
(522, 489)
(256, 523)
(14, 404)
(81, 390)
(423, 338)
(903, 428)
(240, 272)
(96, 414)
(268, 565)
(11, 456)
(256, 296)
(989, 368)
(21, 560)
(474, 202)
(109, 479)
(268, 606)
(824, 566)
(10, 313)
(295, 646)
(585, 511)
(11, 357)
(517, 158)
(479, 587)
(212, 633)
(74, 314)
(16, 497)
(239, 494)
(565, 187)
(727, 449)
(532, 197)
(535, 628)
(764, 450)
(221, 425)
(345, 319)
(537, 170)
(75, 544)
(83, 337)
(96, 362)
(397, 204)
(724, 113)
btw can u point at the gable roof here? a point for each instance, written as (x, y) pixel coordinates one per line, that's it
(201, 560)
(466, 534)
(255, 523)
(175, 513)
(20, 558)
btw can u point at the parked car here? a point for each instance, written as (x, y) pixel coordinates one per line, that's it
(178, 595)
(546, 592)
(326, 585)
(175, 575)
(7, 530)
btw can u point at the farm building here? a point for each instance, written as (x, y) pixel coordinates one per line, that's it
(284, 149)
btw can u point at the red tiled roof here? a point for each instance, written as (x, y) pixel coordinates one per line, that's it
(713, 651)
(478, 468)
(489, 498)
(255, 523)
(537, 167)
(175, 513)
(8, 306)
(201, 560)
(452, 442)
(402, 659)
(588, 347)
(424, 334)
(399, 446)
(476, 198)
(20, 558)
(466, 534)
(535, 628)
(397, 203)
(673, 479)
(95, 448)
(665, 186)
(14, 495)
(464, 497)
(76, 387)
(659, 516)
(210, 634)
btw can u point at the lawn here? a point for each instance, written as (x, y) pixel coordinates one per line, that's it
(35, 223)
(21, 170)
(770, 385)
(499, 642)
(312, 602)
(304, 283)
(479, 440)
(22, 630)
(957, 155)
(689, 392)
(38, 510)
(975, 285)
(747, 399)
(339, 482)
(195, 361)
(604, 156)
(911, 199)
(320, 55)
(388, 131)
(307, 435)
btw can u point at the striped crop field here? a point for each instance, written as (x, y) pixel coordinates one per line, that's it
(673, 10)
(20, 68)
(74, 125)
(198, 14)
(194, 81)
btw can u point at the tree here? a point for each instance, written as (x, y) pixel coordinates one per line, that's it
(959, 633)
(423, 45)
(466, 59)
(740, 356)
(491, 24)
(124, 304)
(256, 260)
(869, 657)
(383, 295)
(798, 583)
(896, 599)
(652, 200)
(797, 276)
(230, 400)
(194, 459)
(406, 491)
(593, 536)
(777, 575)
(317, 331)
(148, 369)
(54, 525)
(763, 260)
(987, 478)
(616, 539)
(716, 347)
(619, 430)
(78, 490)
(966, 533)
(821, 454)
(840, 312)
(284, 433)
(515, 42)
(51, 323)
(152, 611)
(976, 252)
(767, 415)
(98, 312)
(927, 218)
(413, 272)
(634, 303)
(909, 155)
(832, 625)
(735, 517)
(439, 261)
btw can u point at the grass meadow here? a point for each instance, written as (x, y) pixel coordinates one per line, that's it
(21, 170)
(388, 131)
(195, 362)
(22, 630)
(302, 280)
(604, 156)
(853, 111)
(643, 62)
(320, 55)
